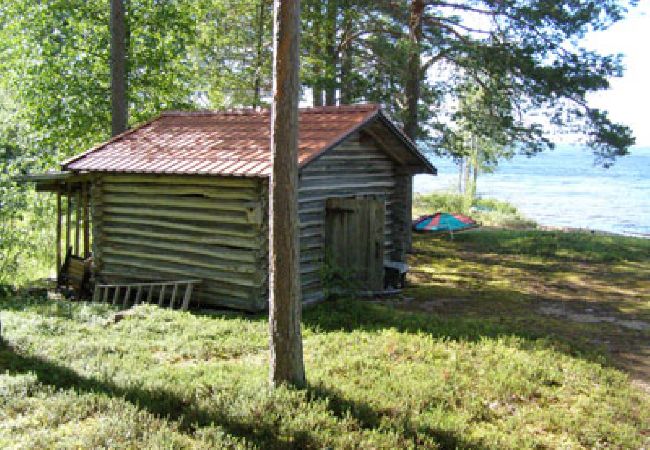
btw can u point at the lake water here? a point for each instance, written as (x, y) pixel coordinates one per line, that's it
(563, 188)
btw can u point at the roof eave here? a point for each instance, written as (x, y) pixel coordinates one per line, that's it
(427, 167)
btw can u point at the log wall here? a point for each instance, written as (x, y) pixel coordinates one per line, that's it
(165, 227)
(168, 227)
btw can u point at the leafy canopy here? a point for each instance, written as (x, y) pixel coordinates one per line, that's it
(525, 55)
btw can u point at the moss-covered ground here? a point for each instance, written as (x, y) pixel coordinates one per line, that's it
(481, 351)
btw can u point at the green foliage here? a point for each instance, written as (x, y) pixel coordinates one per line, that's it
(234, 52)
(54, 57)
(527, 57)
(335, 280)
(54, 61)
(55, 65)
(26, 235)
(26, 232)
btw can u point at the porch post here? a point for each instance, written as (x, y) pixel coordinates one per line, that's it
(58, 232)
(68, 218)
(77, 223)
(85, 193)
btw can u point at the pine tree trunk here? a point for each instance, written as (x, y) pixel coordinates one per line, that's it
(317, 88)
(412, 89)
(346, 69)
(257, 88)
(286, 361)
(332, 54)
(119, 102)
(346, 56)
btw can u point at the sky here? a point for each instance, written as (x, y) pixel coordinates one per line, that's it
(628, 99)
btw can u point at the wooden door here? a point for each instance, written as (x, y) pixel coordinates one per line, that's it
(354, 236)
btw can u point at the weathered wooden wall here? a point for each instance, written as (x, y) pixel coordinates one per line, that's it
(355, 167)
(164, 227)
(169, 227)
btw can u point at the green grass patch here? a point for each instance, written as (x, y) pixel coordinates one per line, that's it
(558, 245)
(378, 377)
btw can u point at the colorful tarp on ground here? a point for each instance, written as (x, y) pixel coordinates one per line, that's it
(444, 222)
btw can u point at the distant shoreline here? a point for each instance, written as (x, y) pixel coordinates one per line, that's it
(563, 188)
(490, 212)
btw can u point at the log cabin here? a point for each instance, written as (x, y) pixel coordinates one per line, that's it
(185, 196)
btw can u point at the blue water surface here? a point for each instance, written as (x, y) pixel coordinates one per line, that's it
(564, 188)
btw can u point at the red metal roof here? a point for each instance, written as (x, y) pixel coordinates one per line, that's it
(232, 143)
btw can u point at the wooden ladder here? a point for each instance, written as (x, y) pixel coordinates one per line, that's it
(121, 293)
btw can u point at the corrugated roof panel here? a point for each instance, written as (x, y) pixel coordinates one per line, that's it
(218, 143)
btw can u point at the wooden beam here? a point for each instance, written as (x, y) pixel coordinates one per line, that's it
(68, 218)
(58, 234)
(86, 219)
(77, 224)
(187, 296)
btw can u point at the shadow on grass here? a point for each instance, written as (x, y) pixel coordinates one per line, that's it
(190, 417)
(533, 330)
(370, 418)
(158, 402)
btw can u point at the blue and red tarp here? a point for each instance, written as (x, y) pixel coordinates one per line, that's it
(444, 222)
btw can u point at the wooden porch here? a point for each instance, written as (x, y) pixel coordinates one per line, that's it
(73, 236)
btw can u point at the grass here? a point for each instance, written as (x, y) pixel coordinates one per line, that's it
(488, 212)
(464, 361)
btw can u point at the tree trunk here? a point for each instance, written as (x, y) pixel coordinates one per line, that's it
(468, 165)
(346, 69)
(286, 362)
(412, 89)
(475, 166)
(332, 54)
(317, 95)
(345, 81)
(119, 102)
(317, 87)
(259, 62)
(414, 70)
(460, 175)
